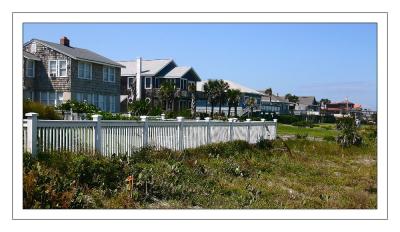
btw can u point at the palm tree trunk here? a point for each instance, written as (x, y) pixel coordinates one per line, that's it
(220, 104)
(235, 110)
(229, 110)
(212, 109)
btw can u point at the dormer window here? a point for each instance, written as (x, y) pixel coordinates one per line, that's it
(33, 47)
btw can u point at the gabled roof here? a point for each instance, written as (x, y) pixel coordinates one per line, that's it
(306, 100)
(178, 72)
(149, 67)
(78, 53)
(30, 56)
(274, 98)
(232, 85)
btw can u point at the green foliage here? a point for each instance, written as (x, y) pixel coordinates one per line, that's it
(44, 111)
(78, 107)
(233, 175)
(329, 138)
(303, 124)
(348, 132)
(288, 119)
(140, 107)
(301, 136)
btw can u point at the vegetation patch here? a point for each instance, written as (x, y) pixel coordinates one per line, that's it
(279, 174)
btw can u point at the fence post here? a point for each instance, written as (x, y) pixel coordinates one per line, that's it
(248, 129)
(31, 133)
(97, 136)
(264, 131)
(207, 119)
(275, 128)
(230, 129)
(180, 132)
(163, 117)
(145, 130)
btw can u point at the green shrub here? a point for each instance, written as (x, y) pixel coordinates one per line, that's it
(264, 144)
(348, 132)
(288, 119)
(44, 111)
(329, 138)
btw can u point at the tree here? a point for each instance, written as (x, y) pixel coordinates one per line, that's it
(269, 93)
(251, 103)
(212, 93)
(233, 98)
(324, 101)
(167, 94)
(292, 98)
(192, 90)
(221, 88)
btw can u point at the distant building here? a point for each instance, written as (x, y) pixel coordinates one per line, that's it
(306, 105)
(274, 104)
(202, 105)
(142, 79)
(343, 107)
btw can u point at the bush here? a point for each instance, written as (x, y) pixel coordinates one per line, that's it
(264, 144)
(329, 138)
(288, 119)
(348, 132)
(44, 111)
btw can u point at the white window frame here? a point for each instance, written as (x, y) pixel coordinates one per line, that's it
(107, 74)
(30, 68)
(87, 67)
(145, 83)
(57, 72)
(33, 48)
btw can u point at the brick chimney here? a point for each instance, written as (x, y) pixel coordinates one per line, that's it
(64, 41)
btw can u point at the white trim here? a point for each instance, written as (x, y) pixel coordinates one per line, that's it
(57, 73)
(145, 84)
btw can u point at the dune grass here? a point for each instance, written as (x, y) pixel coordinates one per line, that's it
(292, 174)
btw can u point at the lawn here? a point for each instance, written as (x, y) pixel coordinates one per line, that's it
(298, 174)
(321, 130)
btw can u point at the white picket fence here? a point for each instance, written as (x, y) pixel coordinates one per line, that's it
(124, 137)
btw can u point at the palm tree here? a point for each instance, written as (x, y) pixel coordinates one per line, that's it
(233, 97)
(167, 94)
(207, 93)
(212, 94)
(192, 90)
(269, 93)
(221, 88)
(251, 103)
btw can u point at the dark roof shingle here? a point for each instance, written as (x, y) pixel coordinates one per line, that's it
(79, 53)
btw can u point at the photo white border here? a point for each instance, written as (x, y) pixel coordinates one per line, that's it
(380, 18)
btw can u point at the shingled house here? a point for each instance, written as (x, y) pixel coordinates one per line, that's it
(142, 80)
(57, 72)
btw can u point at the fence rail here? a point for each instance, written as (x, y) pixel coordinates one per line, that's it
(124, 137)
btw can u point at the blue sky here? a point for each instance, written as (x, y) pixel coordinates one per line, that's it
(323, 60)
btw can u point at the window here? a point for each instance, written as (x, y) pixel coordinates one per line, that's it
(52, 68)
(85, 70)
(130, 82)
(157, 82)
(33, 48)
(147, 81)
(112, 103)
(108, 74)
(51, 98)
(30, 68)
(94, 100)
(57, 68)
(101, 102)
(62, 68)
